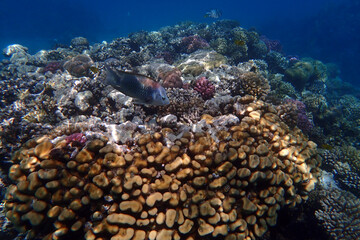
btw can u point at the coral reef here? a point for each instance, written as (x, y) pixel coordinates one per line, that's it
(272, 45)
(254, 84)
(308, 72)
(192, 43)
(201, 61)
(293, 112)
(340, 214)
(344, 166)
(79, 44)
(218, 165)
(167, 185)
(186, 104)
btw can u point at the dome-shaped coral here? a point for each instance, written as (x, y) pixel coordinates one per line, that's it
(226, 183)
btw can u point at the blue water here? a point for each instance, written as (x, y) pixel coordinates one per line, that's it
(323, 29)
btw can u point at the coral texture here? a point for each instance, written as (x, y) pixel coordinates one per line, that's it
(205, 88)
(192, 43)
(340, 214)
(226, 183)
(79, 66)
(254, 84)
(293, 112)
(171, 79)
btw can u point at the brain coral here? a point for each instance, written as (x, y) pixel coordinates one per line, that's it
(221, 184)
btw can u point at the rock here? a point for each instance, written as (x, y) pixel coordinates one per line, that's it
(200, 61)
(169, 120)
(14, 48)
(119, 98)
(82, 100)
(123, 132)
(79, 44)
(226, 120)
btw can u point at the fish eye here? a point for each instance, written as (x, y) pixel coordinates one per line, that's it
(163, 98)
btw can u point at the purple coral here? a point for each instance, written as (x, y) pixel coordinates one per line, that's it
(76, 139)
(167, 56)
(205, 88)
(192, 43)
(53, 66)
(272, 45)
(302, 120)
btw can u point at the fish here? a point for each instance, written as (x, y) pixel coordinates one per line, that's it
(94, 69)
(143, 89)
(213, 13)
(327, 146)
(240, 42)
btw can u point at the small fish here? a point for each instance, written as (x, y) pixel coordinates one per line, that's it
(213, 13)
(327, 146)
(144, 89)
(240, 42)
(94, 69)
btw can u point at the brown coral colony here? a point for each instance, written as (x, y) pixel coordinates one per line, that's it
(227, 185)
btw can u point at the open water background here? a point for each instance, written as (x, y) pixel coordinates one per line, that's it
(328, 30)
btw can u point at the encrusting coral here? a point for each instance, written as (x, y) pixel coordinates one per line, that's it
(227, 183)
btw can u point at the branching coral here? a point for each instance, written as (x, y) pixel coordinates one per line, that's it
(186, 104)
(340, 214)
(250, 83)
(205, 88)
(293, 112)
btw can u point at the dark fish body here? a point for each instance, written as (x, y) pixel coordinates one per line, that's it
(143, 89)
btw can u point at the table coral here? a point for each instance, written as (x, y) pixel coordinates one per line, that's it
(227, 183)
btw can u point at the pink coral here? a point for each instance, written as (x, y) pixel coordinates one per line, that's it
(76, 139)
(172, 79)
(205, 88)
(53, 66)
(192, 43)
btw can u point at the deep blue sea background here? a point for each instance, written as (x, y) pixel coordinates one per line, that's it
(328, 30)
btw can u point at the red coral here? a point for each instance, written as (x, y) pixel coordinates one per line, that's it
(205, 88)
(192, 43)
(172, 79)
